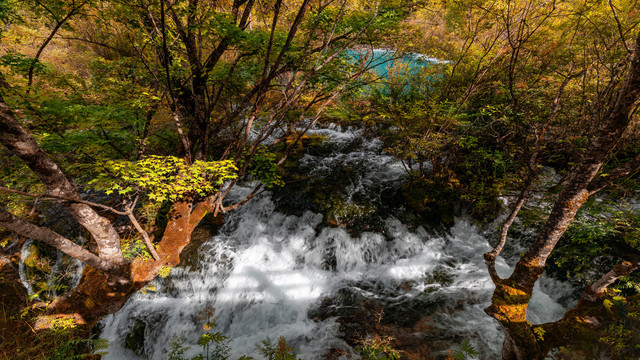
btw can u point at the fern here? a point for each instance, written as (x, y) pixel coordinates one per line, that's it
(76, 349)
(466, 351)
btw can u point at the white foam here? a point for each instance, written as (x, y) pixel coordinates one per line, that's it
(266, 270)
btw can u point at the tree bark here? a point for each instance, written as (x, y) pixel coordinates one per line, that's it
(511, 296)
(54, 239)
(576, 191)
(22, 144)
(96, 296)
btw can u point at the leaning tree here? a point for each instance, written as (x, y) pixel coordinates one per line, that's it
(511, 297)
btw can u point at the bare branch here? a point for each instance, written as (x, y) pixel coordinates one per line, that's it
(48, 236)
(605, 180)
(490, 257)
(597, 289)
(142, 232)
(253, 194)
(21, 143)
(52, 34)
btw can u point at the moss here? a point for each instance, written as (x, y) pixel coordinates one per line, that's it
(305, 143)
(340, 212)
(34, 260)
(509, 304)
(440, 275)
(134, 340)
(342, 117)
(89, 303)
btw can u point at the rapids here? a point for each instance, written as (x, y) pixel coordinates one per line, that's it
(275, 268)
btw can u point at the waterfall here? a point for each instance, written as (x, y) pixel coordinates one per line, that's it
(269, 273)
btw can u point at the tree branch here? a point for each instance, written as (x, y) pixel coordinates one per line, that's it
(59, 24)
(142, 232)
(597, 289)
(48, 236)
(605, 180)
(56, 197)
(22, 144)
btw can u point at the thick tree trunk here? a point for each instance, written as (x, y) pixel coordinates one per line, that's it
(509, 307)
(576, 191)
(97, 295)
(22, 144)
(108, 281)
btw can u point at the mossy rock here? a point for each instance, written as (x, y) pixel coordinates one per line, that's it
(37, 266)
(440, 275)
(342, 117)
(303, 144)
(134, 340)
(340, 212)
(36, 261)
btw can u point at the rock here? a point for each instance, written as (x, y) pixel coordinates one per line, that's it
(434, 203)
(336, 354)
(407, 323)
(134, 340)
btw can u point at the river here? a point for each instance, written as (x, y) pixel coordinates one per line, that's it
(276, 267)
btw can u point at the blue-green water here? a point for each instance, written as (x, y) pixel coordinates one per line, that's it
(382, 61)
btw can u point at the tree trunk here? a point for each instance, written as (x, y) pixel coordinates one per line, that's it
(97, 295)
(511, 296)
(22, 144)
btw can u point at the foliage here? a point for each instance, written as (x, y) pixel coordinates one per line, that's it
(164, 271)
(464, 128)
(603, 231)
(378, 347)
(436, 139)
(276, 350)
(135, 247)
(621, 335)
(466, 351)
(264, 168)
(176, 348)
(64, 340)
(215, 345)
(76, 349)
(164, 178)
(20, 63)
(7, 11)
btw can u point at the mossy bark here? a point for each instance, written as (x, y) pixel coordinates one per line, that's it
(509, 307)
(511, 296)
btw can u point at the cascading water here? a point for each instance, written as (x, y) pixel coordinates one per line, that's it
(276, 268)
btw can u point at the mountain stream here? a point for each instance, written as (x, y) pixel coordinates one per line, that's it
(279, 266)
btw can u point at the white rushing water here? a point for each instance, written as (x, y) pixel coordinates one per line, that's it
(266, 271)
